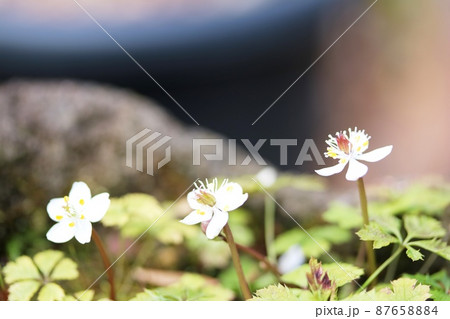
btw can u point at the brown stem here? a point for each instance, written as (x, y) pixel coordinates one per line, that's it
(371, 263)
(271, 267)
(237, 263)
(258, 256)
(106, 263)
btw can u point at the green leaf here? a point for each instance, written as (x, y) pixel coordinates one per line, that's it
(149, 295)
(363, 296)
(421, 198)
(322, 238)
(404, 289)
(340, 275)
(133, 213)
(23, 290)
(390, 224)
(331, 233)
(66, 269)
(189, 287)
(374, 232)
(82, 295)
(51, 292)
(423, 227)
(438, 280)
(439, 295)
(345, 216)
(21, 269)
(436, 246)
(46, 260)
(414, 254)
(282, 293)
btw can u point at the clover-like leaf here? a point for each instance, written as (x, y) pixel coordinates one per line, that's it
(21, 269)
(46, 260)
(282, 293)
(374, 232)
(341, 274)
(423, 227)
(404, 289)
(66, 269)
(436, 246)
(414, 254)
(26, 277)
(23, 290)
(51, 292)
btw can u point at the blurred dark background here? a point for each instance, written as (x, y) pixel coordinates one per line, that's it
(225, 62)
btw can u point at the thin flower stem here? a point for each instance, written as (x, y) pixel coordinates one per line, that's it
(371, 263)
(237, 264)
(106, 263)
(269, 228)
(381, 268)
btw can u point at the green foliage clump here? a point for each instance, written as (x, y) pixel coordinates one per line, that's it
(26, 276)
(190, 287)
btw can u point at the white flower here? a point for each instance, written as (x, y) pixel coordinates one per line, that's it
(211, 204)
(349, 149)
(75, 213)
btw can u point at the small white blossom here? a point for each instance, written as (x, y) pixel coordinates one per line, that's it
(211, 204)
(267, 176)
(349, 149)
(75, 213)
(291, 259)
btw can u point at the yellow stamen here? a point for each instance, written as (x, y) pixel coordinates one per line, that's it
(81, 201)
(366, 143)
(82, 217)
(66, 199)
(59, 217)
(343, 161)
(71, 224)
(200, 212)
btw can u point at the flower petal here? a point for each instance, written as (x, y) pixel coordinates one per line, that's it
(83, 231)
(96, 208)
(355, 170)
(328, 171)
(376, 155)
(61, 232)
(230, 196)
(216, 224)
(197, 216)
(192, 200)
(79, 195)
(55, 209)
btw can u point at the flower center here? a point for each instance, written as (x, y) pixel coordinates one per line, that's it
(343, 143)
(206, 198)
(70, 210)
